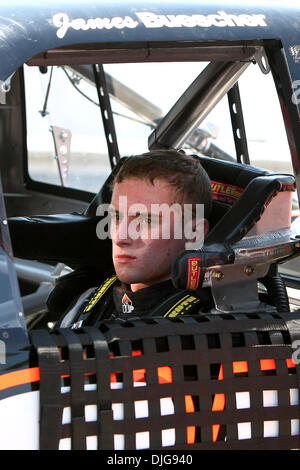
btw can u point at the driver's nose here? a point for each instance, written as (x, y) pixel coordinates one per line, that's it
(119, 232)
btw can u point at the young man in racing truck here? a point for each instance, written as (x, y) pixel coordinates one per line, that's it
(160, 204)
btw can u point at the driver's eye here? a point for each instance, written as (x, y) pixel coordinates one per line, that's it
(146, 220)
(114, 216)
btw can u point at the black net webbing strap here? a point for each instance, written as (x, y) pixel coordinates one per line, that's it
(50, 389)
(104, 404)
(201, 382)
(74, 374)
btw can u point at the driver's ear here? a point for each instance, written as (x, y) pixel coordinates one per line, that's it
(206, 227)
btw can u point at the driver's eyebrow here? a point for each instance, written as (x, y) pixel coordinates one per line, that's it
(146, 214)
(155, 217)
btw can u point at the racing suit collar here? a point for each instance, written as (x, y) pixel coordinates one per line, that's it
(129, 304)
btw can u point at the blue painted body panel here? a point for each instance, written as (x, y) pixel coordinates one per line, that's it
(29, 28)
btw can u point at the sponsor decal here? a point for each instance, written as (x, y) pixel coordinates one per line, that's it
(193, 272)
(127, 306)
(226, 193)
(99, 293)
(64, 23)
(295, 52)
(182, 306)
(77, 325)
(220, 19)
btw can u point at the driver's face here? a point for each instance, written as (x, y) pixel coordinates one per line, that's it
(142, 261)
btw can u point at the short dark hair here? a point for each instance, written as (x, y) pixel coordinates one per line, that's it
(184, 172)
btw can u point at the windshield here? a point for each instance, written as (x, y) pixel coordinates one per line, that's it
(63, 112)
(63, 101)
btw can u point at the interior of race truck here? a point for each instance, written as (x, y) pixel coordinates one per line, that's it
(221, 379)
(255, 203)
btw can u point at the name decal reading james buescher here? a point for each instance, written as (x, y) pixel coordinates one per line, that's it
(221, 19)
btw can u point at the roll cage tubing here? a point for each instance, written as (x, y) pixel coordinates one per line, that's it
(209, 87)
(152, 115)
(196, 103)
(283, 82)
(190, 110)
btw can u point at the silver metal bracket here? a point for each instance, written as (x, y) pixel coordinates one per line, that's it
(234, 289)
(262, 60)
(234, 286)
(62, 144)
(5, 87)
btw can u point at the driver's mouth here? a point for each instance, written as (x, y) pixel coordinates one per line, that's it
(125, 258)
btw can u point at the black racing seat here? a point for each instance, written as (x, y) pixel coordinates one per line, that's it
(241, 194)
(246, 243)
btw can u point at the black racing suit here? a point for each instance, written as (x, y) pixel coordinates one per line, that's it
(119, 302)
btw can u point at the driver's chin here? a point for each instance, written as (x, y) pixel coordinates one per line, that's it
(127, 275)
(130, 275)
(141, 277)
